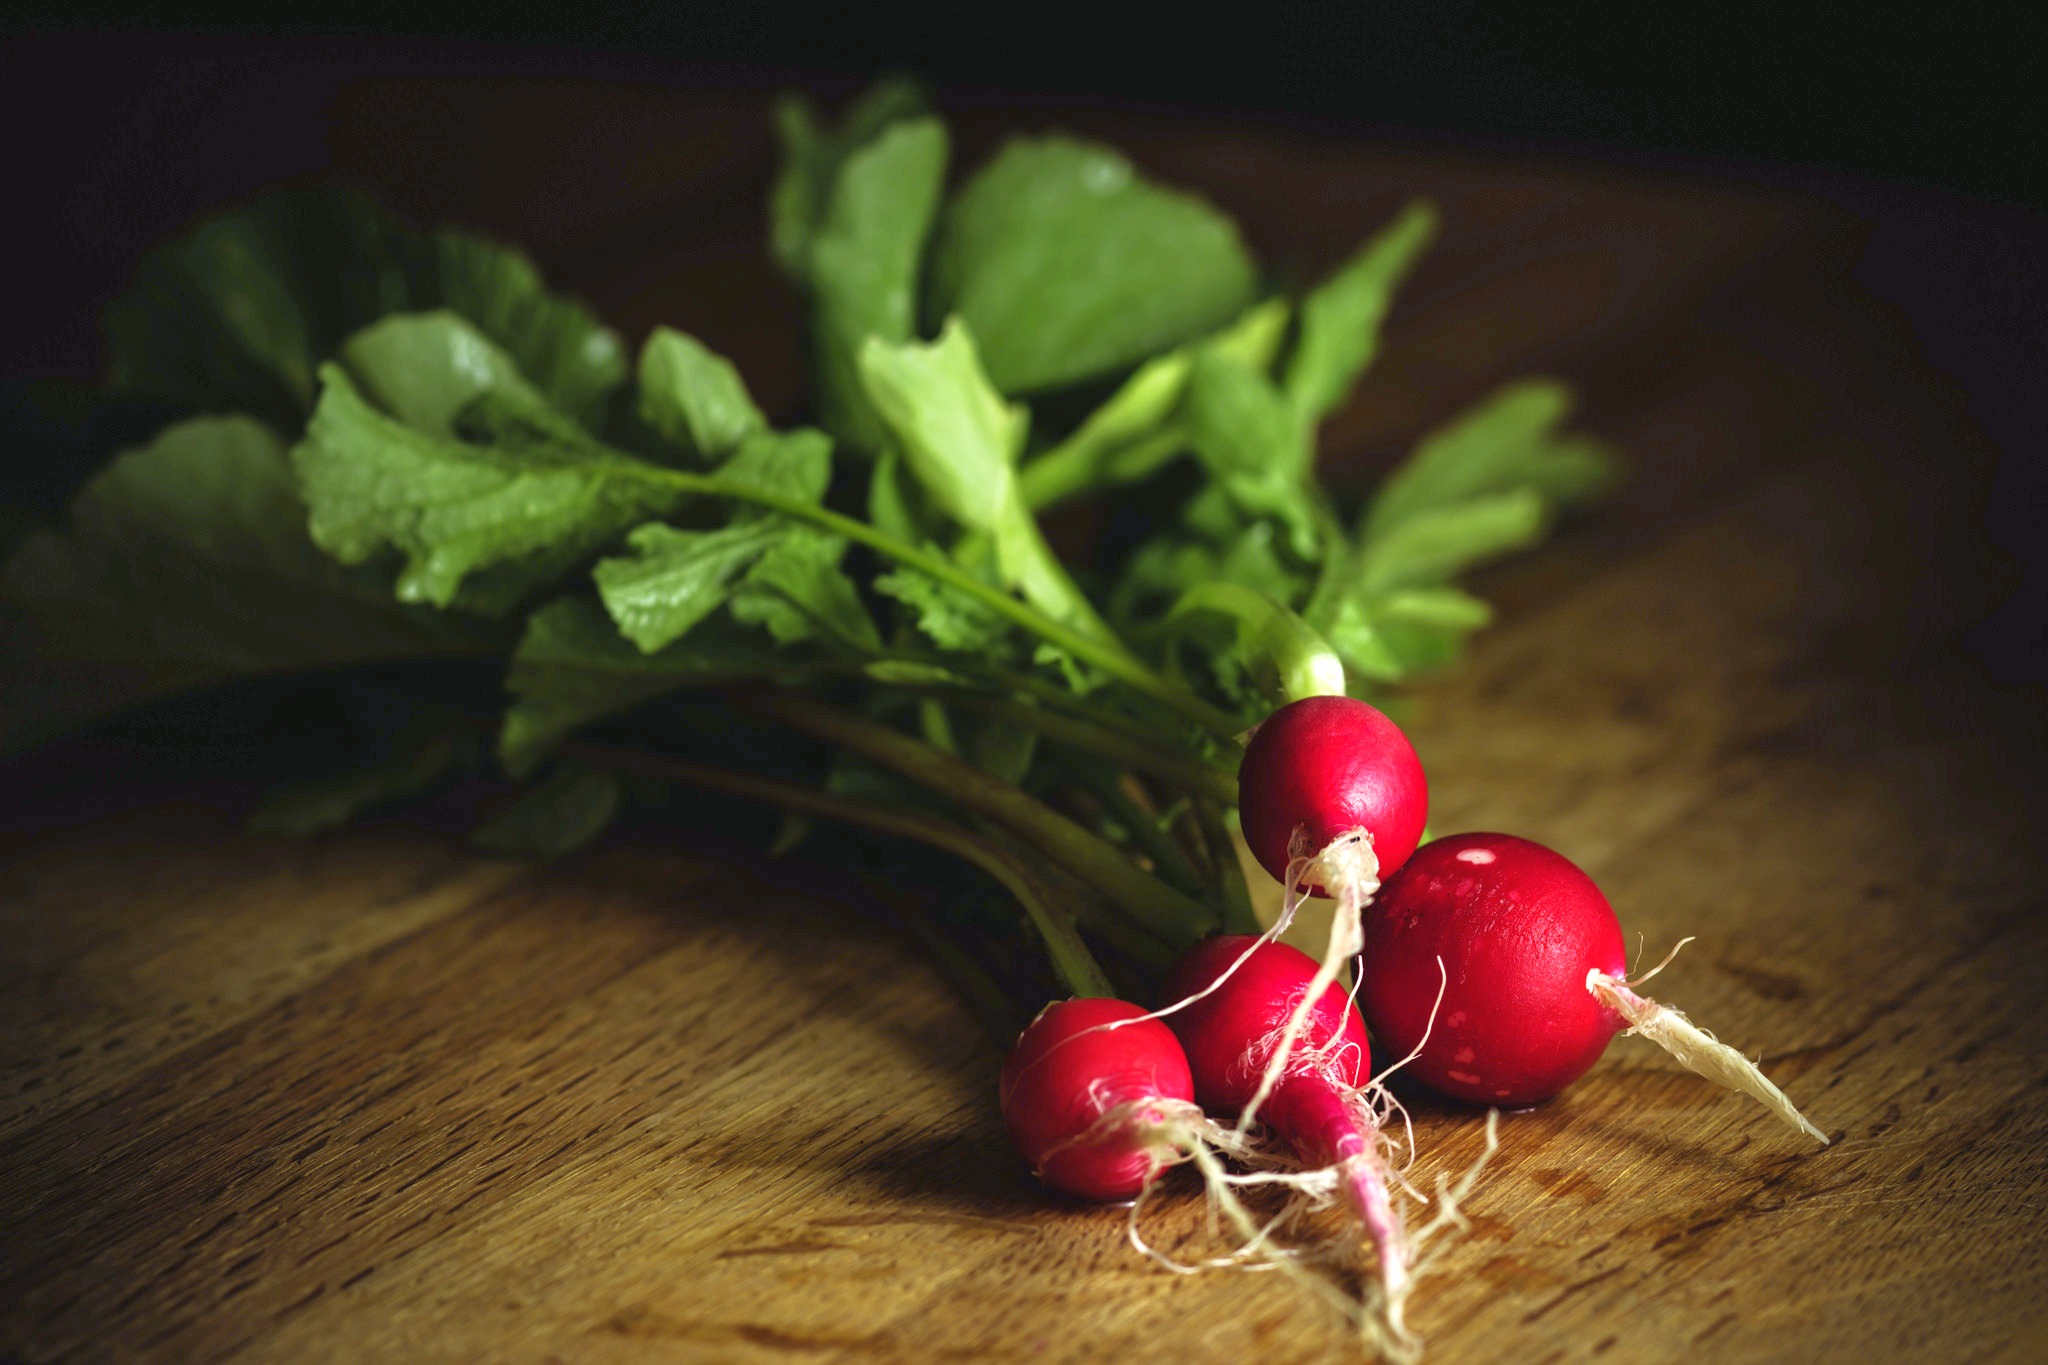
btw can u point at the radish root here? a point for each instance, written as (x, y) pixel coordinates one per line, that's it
(1202, 1142)
(1382, 1323)
(1349, 869)
(1377, 1314)
(1696, 1049)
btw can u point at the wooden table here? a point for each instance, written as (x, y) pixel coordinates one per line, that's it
(375, 1097)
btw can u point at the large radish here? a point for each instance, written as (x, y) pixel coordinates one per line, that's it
(1528, 959)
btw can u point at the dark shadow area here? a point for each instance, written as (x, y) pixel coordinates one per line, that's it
(1939, 103)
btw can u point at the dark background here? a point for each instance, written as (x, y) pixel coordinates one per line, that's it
(1848, 105)
(1944, 99)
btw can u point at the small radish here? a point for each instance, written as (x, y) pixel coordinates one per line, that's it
(1098, 1098)
(1239, 991)
(1532, 978)
(1318, 774)
(1241, 1019)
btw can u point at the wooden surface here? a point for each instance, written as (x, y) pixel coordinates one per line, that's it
(377, 1098)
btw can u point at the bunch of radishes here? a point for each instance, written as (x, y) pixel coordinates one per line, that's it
(1492, 967)
(660, 567)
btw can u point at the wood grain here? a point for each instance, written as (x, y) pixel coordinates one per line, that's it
(376, 1098)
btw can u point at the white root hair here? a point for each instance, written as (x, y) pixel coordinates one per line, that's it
(1349, 869)
(1195, 1139)
(1696, 1049)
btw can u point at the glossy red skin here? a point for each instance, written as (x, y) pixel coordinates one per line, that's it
(1518, 927)
(1229, 1037)
(1329, 765)
(1060, 1078)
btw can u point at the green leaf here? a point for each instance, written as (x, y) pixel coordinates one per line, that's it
(416, 762)
(812, 157)
(1080, 678)
(948, 617)
(790, 464)
(896, 506)
(187, 561)
(1069, 265)
(1151, 398)
(1443, 608)
(1242, 424)
(958, 438)
(1004, 750)
(1386, 649)
(1141, 405)
(1362, 642)
(1254, 443)
(572, 667)
(864, 262)
(558, 345)
(1138, 428)
(797, 592)
(1393, 636)
(1573, 469)
(694, 397)
(1481, 487)
(1270, 639)
(1504, 443)
(961, 441)
(1254, 338)
(674, 579)
(563, 812)
(1132, 434)
(1211, 543)
(527, 510)
(240, 312)
(913, 673)
(1340, 320)
(1430, 547)
(426, 369)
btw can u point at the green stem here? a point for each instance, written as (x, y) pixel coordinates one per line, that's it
(1306, 664)
(1071, 959)
(1337, 570)
(937, 726)
(1167, 856)
(1133, 433)
(1091, 738)
(1065, 717)
(1107, 655)
(1076, 466)
(1028, 561)
(1238, 915)
(1176, 919)
(1068, 702)
(968, 978)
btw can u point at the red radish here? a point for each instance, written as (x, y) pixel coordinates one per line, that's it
(1322, 768)
(1097, 1097)
(1240, 1016)
(1532, 978)
(1230, 1032)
